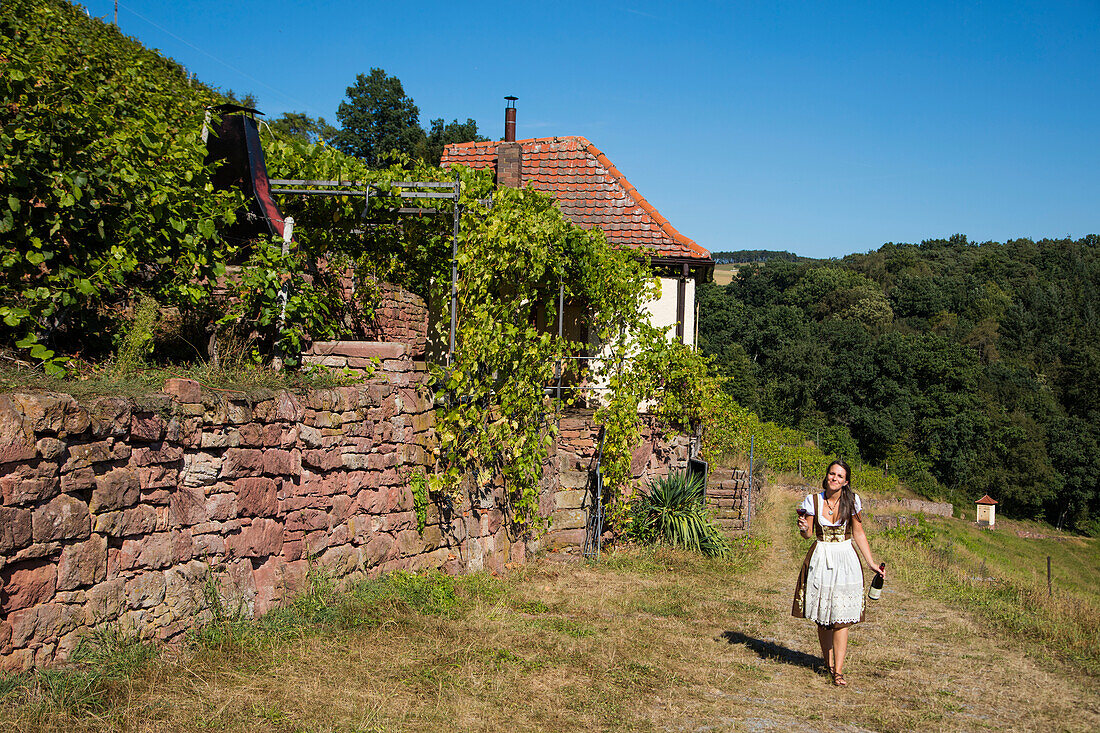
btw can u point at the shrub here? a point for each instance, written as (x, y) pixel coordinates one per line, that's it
(674, 512)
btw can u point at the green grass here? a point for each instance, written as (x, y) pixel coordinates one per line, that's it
(88, 380)
(1002, 577)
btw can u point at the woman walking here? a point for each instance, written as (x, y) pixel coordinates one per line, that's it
(830, 584)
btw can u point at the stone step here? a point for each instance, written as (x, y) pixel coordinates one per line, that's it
(723, 493)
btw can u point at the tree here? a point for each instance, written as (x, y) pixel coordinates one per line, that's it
(302, 127)
(378, 119)
(244, 100)
(441, 135)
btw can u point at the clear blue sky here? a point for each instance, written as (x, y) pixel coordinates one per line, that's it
(823, 128)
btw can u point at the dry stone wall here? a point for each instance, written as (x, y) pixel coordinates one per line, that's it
(128, 512)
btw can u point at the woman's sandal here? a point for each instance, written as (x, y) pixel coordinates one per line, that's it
(838, 679)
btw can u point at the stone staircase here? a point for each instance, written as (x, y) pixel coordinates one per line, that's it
(728, 498)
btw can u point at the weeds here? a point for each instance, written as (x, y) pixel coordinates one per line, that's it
(1066, 624)
(137, 339)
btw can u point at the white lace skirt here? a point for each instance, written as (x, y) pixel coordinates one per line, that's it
(834, 584)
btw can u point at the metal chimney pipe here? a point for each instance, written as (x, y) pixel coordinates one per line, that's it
(510, 120)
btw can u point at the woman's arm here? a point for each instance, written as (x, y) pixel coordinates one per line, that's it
(859, 538)
(805, 525)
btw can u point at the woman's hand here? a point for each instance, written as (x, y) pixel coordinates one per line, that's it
(804, 523)
(881, 570)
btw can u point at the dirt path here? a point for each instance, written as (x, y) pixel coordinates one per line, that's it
(915, 664)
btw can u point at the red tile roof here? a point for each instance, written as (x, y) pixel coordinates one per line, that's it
(986, 499)
(590, 191)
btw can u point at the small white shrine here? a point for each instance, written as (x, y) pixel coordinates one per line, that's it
(987, 511)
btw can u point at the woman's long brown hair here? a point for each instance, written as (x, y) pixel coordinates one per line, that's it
(846, 507)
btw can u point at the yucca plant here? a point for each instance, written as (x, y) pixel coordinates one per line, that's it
(674, 512)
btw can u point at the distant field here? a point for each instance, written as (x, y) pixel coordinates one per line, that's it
(723, 274)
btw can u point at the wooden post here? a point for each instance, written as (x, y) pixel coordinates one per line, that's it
(1050, 590)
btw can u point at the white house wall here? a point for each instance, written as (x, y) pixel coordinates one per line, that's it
(662, 312)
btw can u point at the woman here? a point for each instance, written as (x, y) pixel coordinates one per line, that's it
(830, 585)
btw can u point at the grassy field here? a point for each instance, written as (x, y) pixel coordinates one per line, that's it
(647, 640)
(724, 274)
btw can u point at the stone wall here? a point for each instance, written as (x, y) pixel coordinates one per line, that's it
(567, 496)
(931, 508)
(400, 317)
(125, 511)
(119, 511)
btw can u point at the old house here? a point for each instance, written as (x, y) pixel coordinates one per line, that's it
(592, 192)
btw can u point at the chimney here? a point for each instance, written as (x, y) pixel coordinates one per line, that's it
(509, 152)
(510, 120)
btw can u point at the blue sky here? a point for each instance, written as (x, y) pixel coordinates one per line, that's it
(820, 128)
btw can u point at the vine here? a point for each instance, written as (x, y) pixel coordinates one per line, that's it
(419, 484)
(513, 257)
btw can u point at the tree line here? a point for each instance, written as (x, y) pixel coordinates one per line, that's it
(379, 124)
(967, 368)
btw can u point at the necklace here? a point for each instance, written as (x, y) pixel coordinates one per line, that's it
(831, 507)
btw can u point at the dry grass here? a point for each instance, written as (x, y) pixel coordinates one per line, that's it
(645, 641)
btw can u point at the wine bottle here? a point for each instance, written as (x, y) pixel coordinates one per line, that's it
(876, 584)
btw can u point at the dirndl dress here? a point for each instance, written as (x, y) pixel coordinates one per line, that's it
(830, 582)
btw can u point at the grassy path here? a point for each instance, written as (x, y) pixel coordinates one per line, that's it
(644, 641)
(915, 664)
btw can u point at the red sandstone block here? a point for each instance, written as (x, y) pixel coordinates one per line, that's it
(237, 462)
(261, 538)
(84, 563)
(116, 489)
(64, 517)
(17, 489)
(157, 477)
(152, 551)
(293, 549)
(307, 519)
(273, 434)
(137, 520)
(278, 462)
(145, 590)
(27, 584)
(15, 529)
(257, 497)
(295, 502)
(288, 407)
(187, 507)
(380, 548)
(184, 390)
(15, 447)
(268, 578)
(362, 349)
(205, 545)
(182, 547)
(327, 484)
(220, 507)
(147, 428)
(372, 502)
(342, 507)
(157, 454)
(251, 435)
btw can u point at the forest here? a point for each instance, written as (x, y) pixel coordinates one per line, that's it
(964, 368)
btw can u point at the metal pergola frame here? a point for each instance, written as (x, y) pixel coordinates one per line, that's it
(414, 190)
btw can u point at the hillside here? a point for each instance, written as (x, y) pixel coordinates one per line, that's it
(967, 368)
(106, 203)
(103, 183)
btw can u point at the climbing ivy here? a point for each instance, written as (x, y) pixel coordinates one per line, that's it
(513, 257)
